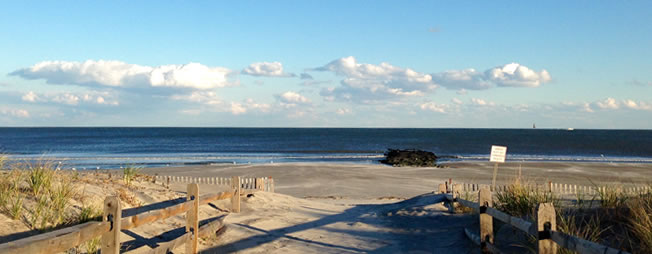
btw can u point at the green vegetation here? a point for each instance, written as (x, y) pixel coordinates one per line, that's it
(619, 220)
(129, 173)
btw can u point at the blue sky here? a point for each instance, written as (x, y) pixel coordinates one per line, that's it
(559, 64)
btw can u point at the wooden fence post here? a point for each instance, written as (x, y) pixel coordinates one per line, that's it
(192, 218)
(112, 213)
(271, 184)
(235, 200)
(455, 193)
(546, 223)
(486, 221)
(259, 184)
(442, 188)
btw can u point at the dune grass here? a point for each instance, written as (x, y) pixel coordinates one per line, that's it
(618, 220)
(129, 173)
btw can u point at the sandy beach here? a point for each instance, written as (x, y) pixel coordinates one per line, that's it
(328, 208)
(363, 181)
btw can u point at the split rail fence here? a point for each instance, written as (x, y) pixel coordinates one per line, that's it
(544, 229)
(112, 223)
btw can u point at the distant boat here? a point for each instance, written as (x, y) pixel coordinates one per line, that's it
(570, 129)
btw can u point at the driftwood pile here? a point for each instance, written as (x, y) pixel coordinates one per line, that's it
(409, 158)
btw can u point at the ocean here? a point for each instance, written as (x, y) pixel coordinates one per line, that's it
(106, 148)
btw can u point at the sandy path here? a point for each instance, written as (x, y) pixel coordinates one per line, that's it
(276, 223)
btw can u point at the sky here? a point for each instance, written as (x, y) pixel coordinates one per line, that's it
(410, 64)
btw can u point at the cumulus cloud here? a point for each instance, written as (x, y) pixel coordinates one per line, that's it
(237, 108)
(266, 69)
(481, 102)
(120, 74)
(631, 104)
(609, 103)
(509, 75)
(72, 99)
(462, 79)
(457, 101)
(30, 97)
(290, 98)
(369, 82)
(21, 113)
(514, 74)
(434, 107)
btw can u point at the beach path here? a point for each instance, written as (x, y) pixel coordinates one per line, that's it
(277, 223)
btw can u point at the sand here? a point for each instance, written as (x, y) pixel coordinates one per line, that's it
(365, 181)
(330, 208)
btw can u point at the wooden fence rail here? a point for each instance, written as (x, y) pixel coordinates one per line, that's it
(112, 223)
(544, 228)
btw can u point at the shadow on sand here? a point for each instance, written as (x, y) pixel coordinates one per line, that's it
(411, 226)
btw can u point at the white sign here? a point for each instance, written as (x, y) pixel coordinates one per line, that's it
(498, 154)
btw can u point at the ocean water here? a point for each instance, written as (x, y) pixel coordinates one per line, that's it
(91, 148)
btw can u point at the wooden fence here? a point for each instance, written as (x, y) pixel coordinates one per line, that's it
(544, 229)
(562, 188)
(112, 223)
(249, 183)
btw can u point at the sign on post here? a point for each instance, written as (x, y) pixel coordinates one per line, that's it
(498, 154)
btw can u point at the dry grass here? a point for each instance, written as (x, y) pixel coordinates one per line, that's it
(640, 221)
(521, 200)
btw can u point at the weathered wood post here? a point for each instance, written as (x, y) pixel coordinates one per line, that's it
(486, 221)
(455, 193)
(192, 218)
(271, 184)
(546, 223)
(235, 200)
(113, 214)
(168, 186)
(442, 188)
(260, 184)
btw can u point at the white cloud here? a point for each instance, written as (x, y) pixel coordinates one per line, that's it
(267, 69)
(30, 97)
(514, 74)
(369, 82)
(121, 74)
(431, 106)
(462, 79)
(237, 108)
(66, 98)
(15, 112)
(609, 103)
(291, 99)
(208, 98)
(637, 105)
(343, 111)
(457, 101)
(481, 102)
(252, 105)
(72, 99)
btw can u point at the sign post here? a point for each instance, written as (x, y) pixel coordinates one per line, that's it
(498, 154)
